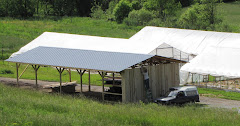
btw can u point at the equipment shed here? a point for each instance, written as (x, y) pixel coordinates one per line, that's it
(163, 71)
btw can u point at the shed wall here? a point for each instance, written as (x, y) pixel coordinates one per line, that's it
(161, 77)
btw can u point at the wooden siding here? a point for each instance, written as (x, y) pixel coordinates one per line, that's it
(161, 77)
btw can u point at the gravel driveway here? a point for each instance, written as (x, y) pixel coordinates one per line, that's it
(220, 103)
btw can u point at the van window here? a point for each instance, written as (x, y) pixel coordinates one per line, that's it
(191, 93)
(180, 94)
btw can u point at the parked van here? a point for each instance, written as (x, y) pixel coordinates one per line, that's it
(180, 95)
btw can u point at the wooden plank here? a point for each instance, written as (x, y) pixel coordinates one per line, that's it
(23, 71)
(132, 84)
(125, 86)
(111, 93)
(113, 85)
(138, 83)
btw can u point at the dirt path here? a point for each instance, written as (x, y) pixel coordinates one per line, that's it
(30, 84)
(210, 102)
(220, 103)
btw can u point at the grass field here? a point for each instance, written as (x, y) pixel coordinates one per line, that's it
(231, 14)
(16, 33)
(39, 109)
(219, 93)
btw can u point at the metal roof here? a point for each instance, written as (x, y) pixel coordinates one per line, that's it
(80, 59)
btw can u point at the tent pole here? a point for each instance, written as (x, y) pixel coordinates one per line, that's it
(227, 84)
(89, 81)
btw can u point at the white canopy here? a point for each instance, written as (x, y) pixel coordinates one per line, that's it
(73, 41)
(216, 61)
(188, 41)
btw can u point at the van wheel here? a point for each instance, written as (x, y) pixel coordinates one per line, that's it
(193, 102)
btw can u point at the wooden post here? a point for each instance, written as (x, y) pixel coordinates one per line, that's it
(89, 81)
(192, 78)
(35, 67)
(113, 78)
(60, 70)
(227, 84)
(81, 74)
(17, 67)
(70, 75)
(102, 75)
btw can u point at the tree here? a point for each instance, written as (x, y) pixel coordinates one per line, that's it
(164, 8)
(121, 10)
(202, 15)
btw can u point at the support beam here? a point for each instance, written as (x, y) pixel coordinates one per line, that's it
(89, 81)
(17, 67)
(60, 70)
(70, 75)
(23, 71)
(113, 78)
(102, 75)
(36, 67)
(80, 72)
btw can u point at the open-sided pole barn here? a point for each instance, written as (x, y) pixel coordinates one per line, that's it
(163, 71)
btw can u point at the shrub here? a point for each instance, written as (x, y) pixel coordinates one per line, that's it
(5, 71)
(97, 12)
(139, 17)
(155, 22)
(136, 5)
(121, 10)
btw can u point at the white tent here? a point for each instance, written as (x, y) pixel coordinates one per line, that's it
(188, 41)
(216, 61)
(73, 41)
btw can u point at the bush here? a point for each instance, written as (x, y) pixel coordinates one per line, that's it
(97, 12)
(155, 22)
(139, 17)
(6, 72)
(121, 10)
(136, 5)
(200, 16)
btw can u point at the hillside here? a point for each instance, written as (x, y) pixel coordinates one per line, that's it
(231, 14)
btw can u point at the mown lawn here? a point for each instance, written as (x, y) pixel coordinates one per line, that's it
(219, 93)
(26, 107)
(15, 33)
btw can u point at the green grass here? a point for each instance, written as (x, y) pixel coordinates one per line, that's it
(35, 108)
(15, 33)
(231, 14)
(47, 73)
(219, 93)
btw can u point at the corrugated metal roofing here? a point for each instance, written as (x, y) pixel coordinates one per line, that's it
(82, 59)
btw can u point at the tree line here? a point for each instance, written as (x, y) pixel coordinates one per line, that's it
(200, 14)
(29, 8)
